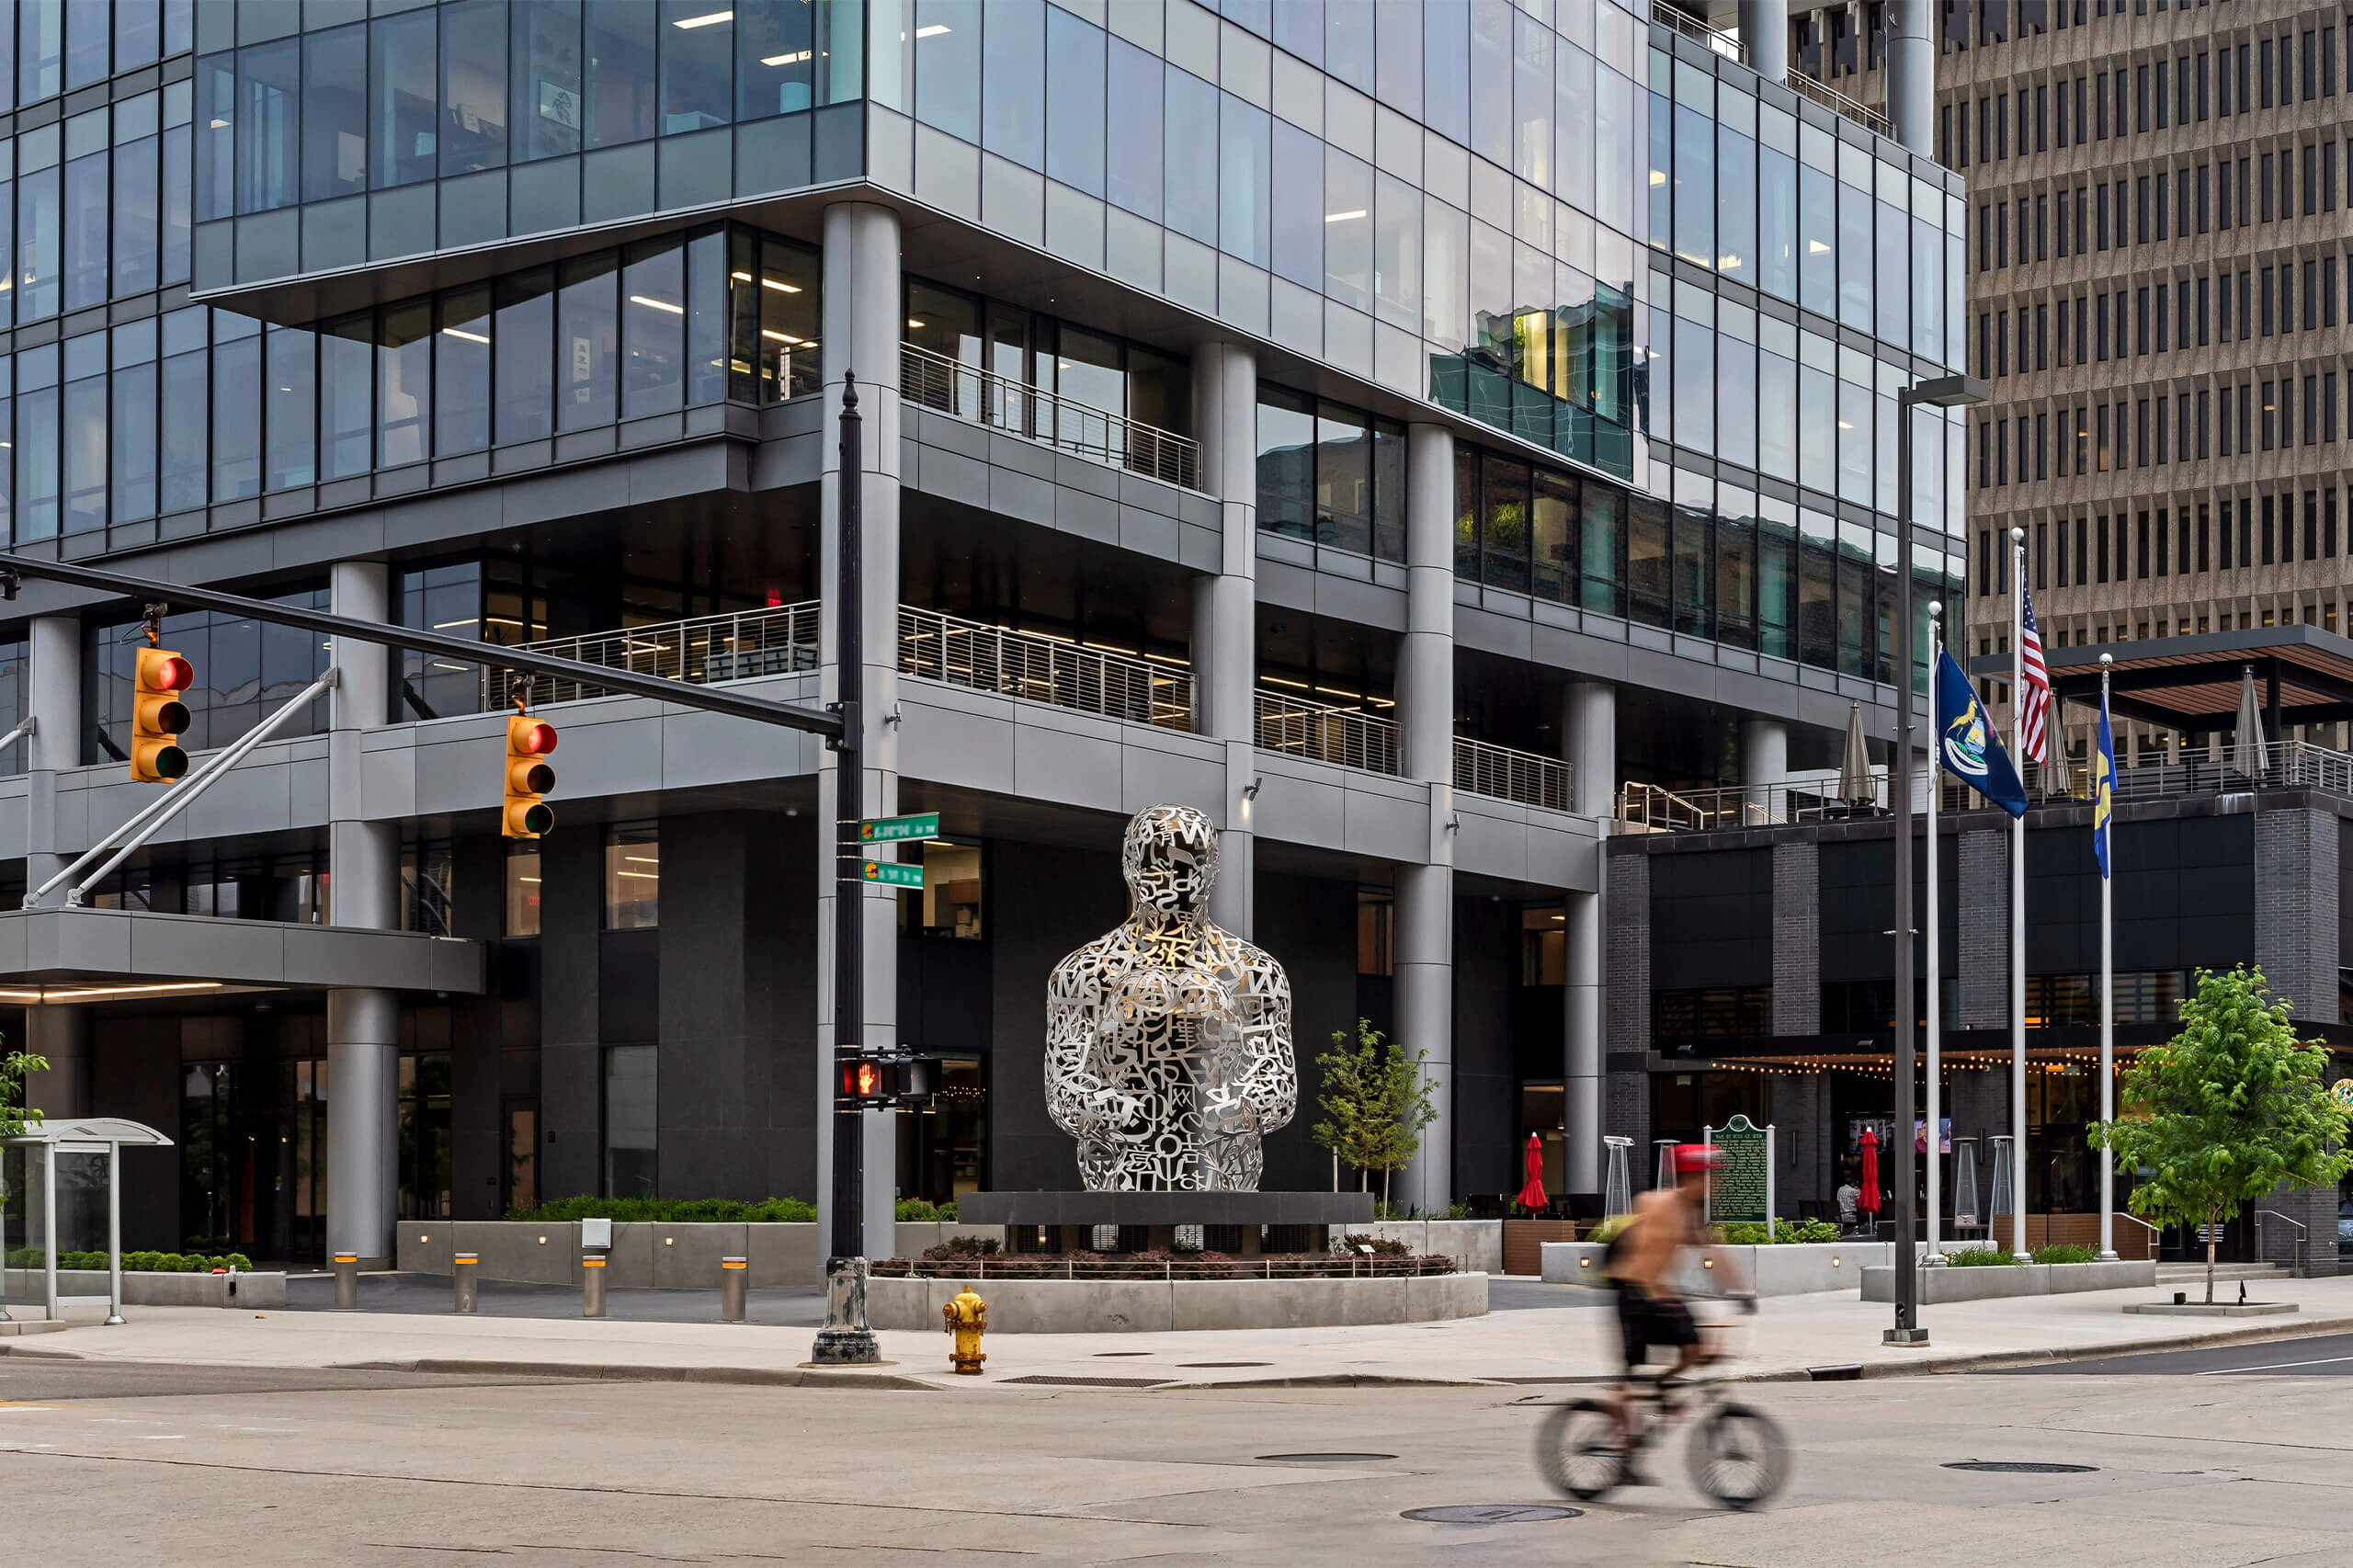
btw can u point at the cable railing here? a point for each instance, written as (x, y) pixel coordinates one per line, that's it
(2193, 770)
(1726, 44)
(1344, 737)
(777, 641)
(967, 392)
(1042, 668)
(1481, 768)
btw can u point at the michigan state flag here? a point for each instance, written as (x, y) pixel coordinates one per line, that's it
(1966, 745)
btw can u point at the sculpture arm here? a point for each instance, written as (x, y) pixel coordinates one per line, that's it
(1270, 1081)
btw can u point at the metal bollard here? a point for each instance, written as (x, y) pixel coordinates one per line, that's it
(346, 1281)
(461, 1282)
(735, 1276)
(591, 1286)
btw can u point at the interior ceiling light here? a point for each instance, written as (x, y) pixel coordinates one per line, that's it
(797, 57)
(652, 303)
(1342, 217)
(711, 20)
(781, 286)
(454, 332)
(934, 30)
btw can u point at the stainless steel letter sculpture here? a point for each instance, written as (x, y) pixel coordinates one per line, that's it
(1168, 1048)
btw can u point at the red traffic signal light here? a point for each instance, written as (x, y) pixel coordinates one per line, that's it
(529, 741)
(158, 717)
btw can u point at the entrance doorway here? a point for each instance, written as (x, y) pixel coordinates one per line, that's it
(253, 1158)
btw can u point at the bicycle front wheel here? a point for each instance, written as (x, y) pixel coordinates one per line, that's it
(1576, 1450)
(1739, 1457)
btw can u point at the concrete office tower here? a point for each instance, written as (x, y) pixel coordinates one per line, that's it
(1337, 420)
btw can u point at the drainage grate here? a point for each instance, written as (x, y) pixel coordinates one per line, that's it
(1189, 1365)
(1492, 1514)
(2022, 1467)
(1102, 1353)
(1323, 1459)
(1091, 1382)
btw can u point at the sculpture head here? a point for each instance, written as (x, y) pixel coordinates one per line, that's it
(1169, 856)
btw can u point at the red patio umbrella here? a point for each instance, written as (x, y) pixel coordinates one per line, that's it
(1532, 1195)
(1868, 1200)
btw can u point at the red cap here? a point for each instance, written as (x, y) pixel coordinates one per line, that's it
(1691, 1157)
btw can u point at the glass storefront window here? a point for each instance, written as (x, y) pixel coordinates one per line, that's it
(630, 1085)
(632, 877)
(950, 903)
(522, 899)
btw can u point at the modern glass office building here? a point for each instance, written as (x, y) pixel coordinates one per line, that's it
(1390, 425)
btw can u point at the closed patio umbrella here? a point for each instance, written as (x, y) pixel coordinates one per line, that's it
(2246, 746)
(1531, 1197)
(1856, 784)
(1867, 1200)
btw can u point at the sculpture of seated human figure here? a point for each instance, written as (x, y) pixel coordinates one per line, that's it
(1168, 1038)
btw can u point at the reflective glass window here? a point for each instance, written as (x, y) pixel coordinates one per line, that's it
(1600, 525)
(776, 59)
(290, 406)
(1132, 176)
(1776, 190)
(334, 114)
(1286, 462)
(1894, 283)
(1818, 231)
(632, 877)
(89, 215)
(1348, 43)
(1532, 89)
(1490, 72)
(133, 432)
(1076, 108)
(708, 287)
(473, 85)
(525, 363)
(347, 397)
(39, 247)
(268, 125)
(1298, 210)
(184, 401)
(179, 190)
(41, 50)
(620, 79)
(1737, 413)
(138, 32)
(948, 66)
(236, 398)
(1573, 128)
(653, 310)
(1736, 195)
(403, 89)
(1397, 252)
(1012, 81)
(1694, 380)
(84, 424)
(1343, 478)
(1397, 54)
(461, 353)
(1446, 67)
(697, 40)
(1190, 109)
(547, 87)
(404, 383)
(588, 341)
(137, 194)
(1347, 229)
(1854, 257)
(1552, 513)
(88, 29)
(1245, 157)
(1503, 517)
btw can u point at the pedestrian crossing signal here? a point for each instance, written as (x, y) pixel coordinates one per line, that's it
(528, 776)
(159, 716)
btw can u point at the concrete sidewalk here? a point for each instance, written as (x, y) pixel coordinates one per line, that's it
(1568, 1343)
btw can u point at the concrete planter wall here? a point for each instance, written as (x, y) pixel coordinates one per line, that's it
(1135, 1306)
(1476, 1246)
(259, 1291)
(1937, 1284)
(669, 1257)
(1795, 1269)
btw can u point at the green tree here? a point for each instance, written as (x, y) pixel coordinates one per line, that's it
(14, 1068)
(2226, 1112)
(1375, 1100)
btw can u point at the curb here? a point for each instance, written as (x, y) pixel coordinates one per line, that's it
(1996, 1360)
(771, 1376)
(1335, 1380)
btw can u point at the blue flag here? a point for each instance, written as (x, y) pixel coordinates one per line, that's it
(2103, 786)
(1966, 745)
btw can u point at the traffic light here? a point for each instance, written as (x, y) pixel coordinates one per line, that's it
(528, 776)
(159, 716)
(876, 1082)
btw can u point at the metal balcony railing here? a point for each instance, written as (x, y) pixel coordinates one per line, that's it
(736, 646)
(1838, 103)
(1503, 773)
(967, 392)
(1726, 44)
(1044, 669)
(1346, 737)
(2197, 770)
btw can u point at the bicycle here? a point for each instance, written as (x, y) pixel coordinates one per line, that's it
(1738, 1455)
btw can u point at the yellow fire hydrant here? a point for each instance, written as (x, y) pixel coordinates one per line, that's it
(968, 1317)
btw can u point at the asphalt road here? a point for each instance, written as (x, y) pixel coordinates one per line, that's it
(163, 1465)
(2318, 1356)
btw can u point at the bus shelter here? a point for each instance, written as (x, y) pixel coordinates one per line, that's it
(60, 1194)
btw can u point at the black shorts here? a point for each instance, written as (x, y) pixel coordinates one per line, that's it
(1647, 1321)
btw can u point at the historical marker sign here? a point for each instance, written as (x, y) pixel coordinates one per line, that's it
(1741, 1194)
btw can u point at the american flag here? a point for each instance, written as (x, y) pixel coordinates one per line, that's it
(2034, 682)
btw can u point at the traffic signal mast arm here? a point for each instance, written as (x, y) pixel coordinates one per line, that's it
(715, 700)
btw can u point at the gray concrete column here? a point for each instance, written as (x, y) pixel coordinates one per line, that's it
(62, 1036)
(864, 314)
(363, 1091)
(1911, 74)
(1225, 610)
(1424, 952)
(1764, 762)
(1765, 32)
(363, 890)
(54, 700)
(1589, 739)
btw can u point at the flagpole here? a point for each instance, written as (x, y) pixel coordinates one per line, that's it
(2104, 797)
(2018, 901)
(1935, 1030)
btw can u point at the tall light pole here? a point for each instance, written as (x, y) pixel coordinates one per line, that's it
(1943, 392)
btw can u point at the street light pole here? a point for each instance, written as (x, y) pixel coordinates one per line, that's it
(846, 1338)
(1944, 392)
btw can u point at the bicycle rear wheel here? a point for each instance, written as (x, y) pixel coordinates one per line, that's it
(1739, 1457)
(1577, 1450)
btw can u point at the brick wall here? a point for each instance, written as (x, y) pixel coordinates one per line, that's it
(1983, 973)
(1797, 937)
(1625, 983)
(2314, 1207)
(2296, 908)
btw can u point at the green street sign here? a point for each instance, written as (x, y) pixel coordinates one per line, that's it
(891, 874)
(889, 830)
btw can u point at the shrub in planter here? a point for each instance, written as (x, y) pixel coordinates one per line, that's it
(1781, 1233)
(670, 1210)
(1981, 1257)
(958, 1247)
(1356, 1242)
(2066, 1252)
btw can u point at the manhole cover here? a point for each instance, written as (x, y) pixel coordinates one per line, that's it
(1205, 1364)
(1323, 1459)
(1492, 1514)
(2022, 1467)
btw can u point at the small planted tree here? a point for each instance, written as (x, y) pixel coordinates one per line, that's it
(2226, 1112)
(1375, 1101)
(14, 1068)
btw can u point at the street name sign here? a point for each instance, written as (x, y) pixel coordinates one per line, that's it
(891, 874)
(891, 830)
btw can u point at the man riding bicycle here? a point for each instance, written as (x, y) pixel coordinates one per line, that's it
(1642, 1262)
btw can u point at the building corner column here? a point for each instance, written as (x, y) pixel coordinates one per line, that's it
(1911, 76)
(1765, 34)
(1589, 739)
(53, 701)
(1424, 890)
(363, 890)
(864, 311)
(1225, 613)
